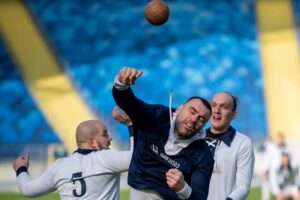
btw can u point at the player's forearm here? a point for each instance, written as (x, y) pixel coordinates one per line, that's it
(200, 186)
(198, 194)
(26, 186)
(126, 100)
(240, 193)
(201, 178)
(24, 182)
(243, 184)
(115, 161)
(185, 193)
(138, 111)
(33, 188)
(244, 174)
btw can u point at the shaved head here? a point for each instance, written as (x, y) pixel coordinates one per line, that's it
(90, 130)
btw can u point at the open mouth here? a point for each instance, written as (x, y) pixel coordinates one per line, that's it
(188, 126)
(218, 118)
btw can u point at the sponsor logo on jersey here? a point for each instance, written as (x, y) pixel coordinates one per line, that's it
(155, 149)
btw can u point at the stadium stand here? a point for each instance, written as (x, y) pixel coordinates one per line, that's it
(21, 121)
(204, 48)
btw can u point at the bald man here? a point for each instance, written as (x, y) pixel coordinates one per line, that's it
(91, 172)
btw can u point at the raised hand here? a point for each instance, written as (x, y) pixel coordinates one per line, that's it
(128, 75)
(21, 161)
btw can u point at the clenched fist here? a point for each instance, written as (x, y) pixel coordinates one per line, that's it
(128, 75)
(175, 179)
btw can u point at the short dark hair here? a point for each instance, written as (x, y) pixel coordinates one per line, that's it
(204, 101)
(235, 101)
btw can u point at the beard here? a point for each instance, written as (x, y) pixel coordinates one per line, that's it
(103, 146)
(182, 133)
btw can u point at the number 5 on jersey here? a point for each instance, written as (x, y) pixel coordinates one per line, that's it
(77, 177)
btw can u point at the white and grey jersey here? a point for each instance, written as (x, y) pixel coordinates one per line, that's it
(233, 168)
(91, 176)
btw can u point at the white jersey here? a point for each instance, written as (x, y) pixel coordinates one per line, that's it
(93, 176)
(233, 168)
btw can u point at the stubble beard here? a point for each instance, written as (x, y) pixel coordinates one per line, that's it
(183, 135)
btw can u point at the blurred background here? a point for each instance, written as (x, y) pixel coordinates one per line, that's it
(58, 60)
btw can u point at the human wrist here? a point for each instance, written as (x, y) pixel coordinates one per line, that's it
(119, 85)
(185, 192)
(20, 170)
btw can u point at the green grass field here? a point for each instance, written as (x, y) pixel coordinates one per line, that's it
(255, 194)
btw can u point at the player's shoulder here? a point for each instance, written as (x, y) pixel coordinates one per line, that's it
(242, 136)
(58, 164)
(61, 160)
(106, 153)
(242, 139)
(72, 159)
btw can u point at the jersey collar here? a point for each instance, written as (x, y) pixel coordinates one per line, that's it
(227, 136)
(85, 151)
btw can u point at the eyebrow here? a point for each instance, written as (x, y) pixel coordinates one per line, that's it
(194, 109)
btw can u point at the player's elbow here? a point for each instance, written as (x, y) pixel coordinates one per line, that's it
(243, 191)
(27, 192)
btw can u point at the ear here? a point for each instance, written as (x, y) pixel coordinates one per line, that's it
(179, 109)
(234, 114)
(92, 143)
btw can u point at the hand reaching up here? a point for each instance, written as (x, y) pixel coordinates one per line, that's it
(128, 75)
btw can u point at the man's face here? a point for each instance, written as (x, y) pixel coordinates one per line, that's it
(222, 112)
(102, 139)
(191, 118)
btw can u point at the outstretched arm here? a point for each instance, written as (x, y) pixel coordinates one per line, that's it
(118, 161)
(28, 187)
(123, 118)
(139, 112)
(127, 76)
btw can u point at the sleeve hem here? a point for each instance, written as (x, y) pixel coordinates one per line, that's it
(185, 193)
(118, 85)
(20, 170)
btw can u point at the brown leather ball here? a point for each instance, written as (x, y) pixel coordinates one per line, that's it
(157, 12)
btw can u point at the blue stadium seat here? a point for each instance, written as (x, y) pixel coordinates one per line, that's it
(204, 48)
(21, 122)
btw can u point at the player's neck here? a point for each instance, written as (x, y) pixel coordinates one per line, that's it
(86, 146)
(219, 131)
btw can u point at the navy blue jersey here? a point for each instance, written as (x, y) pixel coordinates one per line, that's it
(150, 163)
